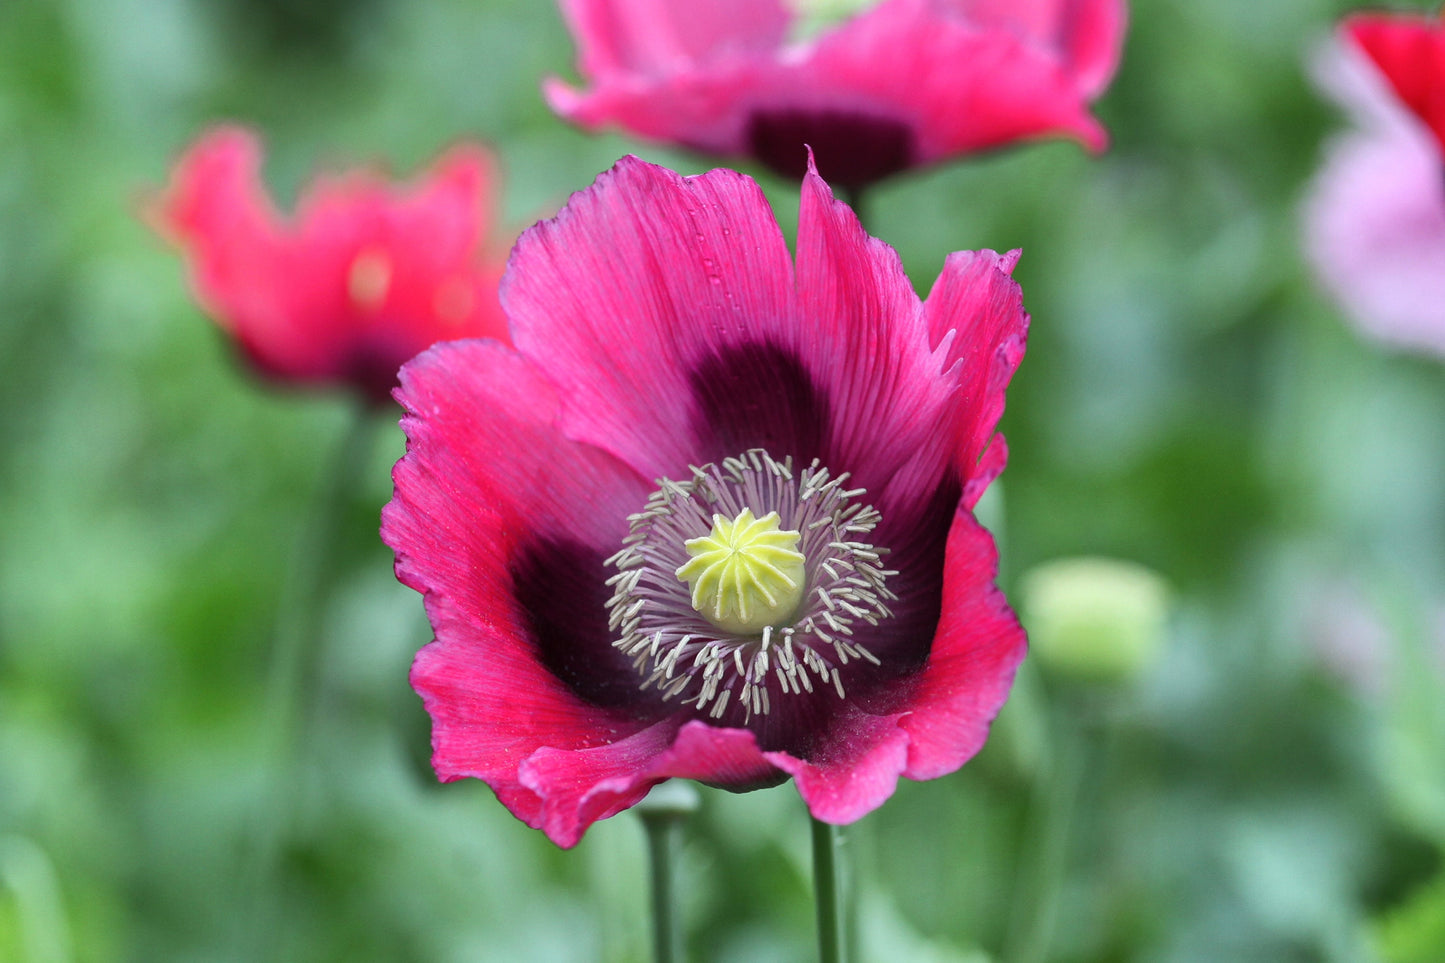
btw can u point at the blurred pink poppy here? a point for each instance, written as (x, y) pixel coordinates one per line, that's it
(1375, 214)
(680, 385)
(904, 84)
(365, 277)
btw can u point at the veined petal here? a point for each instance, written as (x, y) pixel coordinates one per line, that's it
(503, 525)
(659, 325)
(651, 36)
(698, 108)
(938, 719)
(578, 787)
(636, 298)
(975, 318)
(1086, 34)
(847, 781)
(890, 400)
(976, 652)
(906, 83)
(963, 86)
(575, 787)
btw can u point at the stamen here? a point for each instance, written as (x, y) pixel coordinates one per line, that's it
(369, 279)
(718, 605)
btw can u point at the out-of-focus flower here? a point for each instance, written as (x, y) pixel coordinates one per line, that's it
(906, 83)
(1353, 637)
(364, 277)
(712, 517)
(1409, 52)
(1375, 217)
(1346, 633)
(1096, 619)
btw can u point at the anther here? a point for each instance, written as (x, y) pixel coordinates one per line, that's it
(769, 603)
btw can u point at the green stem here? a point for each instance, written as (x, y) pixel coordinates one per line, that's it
(293, 673)
(663, 813)
(1052, 819)
(827, 894)
(313, 569)
(27, 873)
(661, 842)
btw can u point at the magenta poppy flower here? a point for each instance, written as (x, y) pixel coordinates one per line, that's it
(906, 83)
(366, 275)
(712, 517)
(1375, 216)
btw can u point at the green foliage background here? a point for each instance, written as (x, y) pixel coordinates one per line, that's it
(1189, 401)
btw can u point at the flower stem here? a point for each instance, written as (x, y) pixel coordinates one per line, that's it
(661, 841)
(28, 875)
(663, 813)
(313, 568)
(1052, 817)
(292, 675)
(827, 893)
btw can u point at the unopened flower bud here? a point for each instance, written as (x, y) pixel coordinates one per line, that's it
(673, 799)
(1096, 619)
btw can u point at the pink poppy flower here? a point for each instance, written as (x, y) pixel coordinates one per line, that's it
(712, 517)
(1375, 214)
(906, 83)
(365, 277)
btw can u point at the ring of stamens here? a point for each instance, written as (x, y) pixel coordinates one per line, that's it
(685, 656)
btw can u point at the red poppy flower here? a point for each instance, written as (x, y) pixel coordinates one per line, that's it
(1375, 216)
(366, 276)
(907, 83)
(712, 517)
(1410, 53)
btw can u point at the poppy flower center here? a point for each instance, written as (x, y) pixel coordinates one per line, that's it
(851, 149)
(454, 301)
(746, 582)
(369, 279)
(747, 574)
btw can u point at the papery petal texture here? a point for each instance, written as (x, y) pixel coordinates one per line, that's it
(364, 277)
(903, 84)
(512, 577)
(661, 326)
(652, 35)
(1374, 217)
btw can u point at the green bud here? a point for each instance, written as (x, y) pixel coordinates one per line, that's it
(1095, 619)
(672, 799)
(812, 17)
